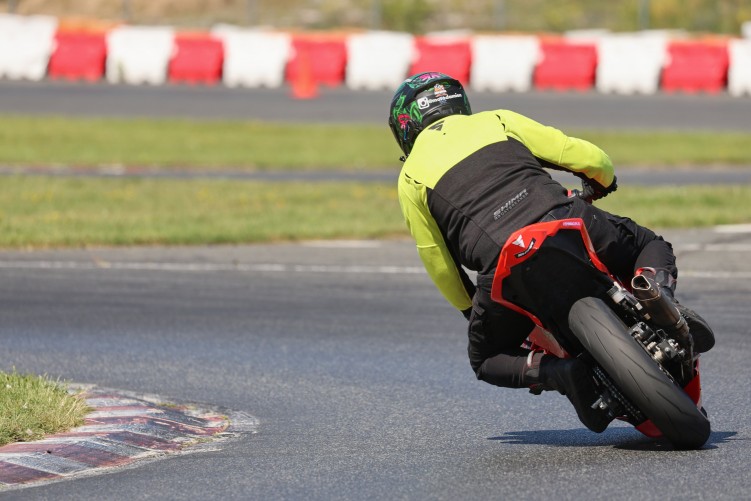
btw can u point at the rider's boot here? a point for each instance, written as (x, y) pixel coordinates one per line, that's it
(570, 377)
(698, 328)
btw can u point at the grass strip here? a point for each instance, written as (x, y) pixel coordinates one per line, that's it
(33, 406)
(84, 142)
(169, 143)
(681, 206)
(51, 212)
(62, 212)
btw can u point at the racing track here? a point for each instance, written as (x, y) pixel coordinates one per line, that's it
(354, 366)
(357, 372)
(564, 110)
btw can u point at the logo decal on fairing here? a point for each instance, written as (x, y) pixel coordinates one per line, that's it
(527, 250)
(519, 241)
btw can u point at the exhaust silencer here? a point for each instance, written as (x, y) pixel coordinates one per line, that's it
(659, 307)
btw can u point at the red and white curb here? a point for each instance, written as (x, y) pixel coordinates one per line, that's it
(123, 428)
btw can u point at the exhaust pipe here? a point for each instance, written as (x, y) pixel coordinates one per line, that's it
(659, 307)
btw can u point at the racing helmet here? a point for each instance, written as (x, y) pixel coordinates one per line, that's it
(422, 99)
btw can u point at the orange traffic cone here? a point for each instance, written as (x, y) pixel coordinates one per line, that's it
(304, 85)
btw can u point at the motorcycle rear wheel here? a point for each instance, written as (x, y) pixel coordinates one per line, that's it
(606, 338)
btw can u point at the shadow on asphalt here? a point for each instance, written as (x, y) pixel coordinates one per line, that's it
(578, 437)
(620, 438)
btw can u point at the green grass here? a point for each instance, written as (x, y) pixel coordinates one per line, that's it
(681, 207)
(44, 211)
(196, 144)
(173, 143)
(33, 406)
(58, 212)
(669, 149)
(54, 212)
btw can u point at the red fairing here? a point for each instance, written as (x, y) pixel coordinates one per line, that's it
(523, 244)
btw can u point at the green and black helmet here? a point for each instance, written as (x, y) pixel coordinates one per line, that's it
(421, 100)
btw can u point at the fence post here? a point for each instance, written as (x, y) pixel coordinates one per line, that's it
(499, 15)
(251, 12)
(126, 10)
(644, 14)
(376, 14)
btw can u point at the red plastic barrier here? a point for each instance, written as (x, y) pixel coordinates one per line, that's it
(452, 58)
(696, 66)
(197, 59)
(566, 66)
(320, 60)
(78, 56)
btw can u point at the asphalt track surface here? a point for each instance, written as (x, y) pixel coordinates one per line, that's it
(564, 110)
(353, 365)
(357, 372)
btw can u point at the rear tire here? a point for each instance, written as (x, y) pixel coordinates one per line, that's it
(605, 337)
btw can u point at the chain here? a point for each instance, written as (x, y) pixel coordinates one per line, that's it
(631, 410)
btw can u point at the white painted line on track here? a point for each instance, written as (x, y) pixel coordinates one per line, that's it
(207, 267)
(733, 228)
(724, 275)
(714, 248)
(278, 268)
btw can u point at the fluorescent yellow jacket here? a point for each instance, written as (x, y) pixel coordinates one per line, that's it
(470, 181)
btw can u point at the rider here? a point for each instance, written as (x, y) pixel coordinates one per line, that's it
(469, 181)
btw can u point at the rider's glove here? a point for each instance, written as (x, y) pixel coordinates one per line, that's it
(592, 190)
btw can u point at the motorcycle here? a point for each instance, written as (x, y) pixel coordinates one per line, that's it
(640, 353)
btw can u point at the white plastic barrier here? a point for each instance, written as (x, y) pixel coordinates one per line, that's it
(630, 63)
(253, 57)
(739, 72)
(139, 54)
(26, 44)
(502, 63)
(746, 29)
(378, 59)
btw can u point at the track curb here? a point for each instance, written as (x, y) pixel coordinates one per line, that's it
(123, 428)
